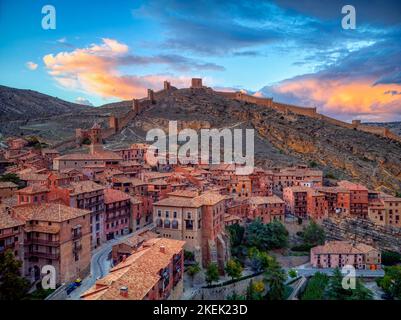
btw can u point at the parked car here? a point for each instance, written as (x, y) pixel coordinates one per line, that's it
(72, 286)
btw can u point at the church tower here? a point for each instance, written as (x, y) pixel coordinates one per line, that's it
(95, 134)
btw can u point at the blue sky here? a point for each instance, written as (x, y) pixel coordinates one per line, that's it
(295, 51)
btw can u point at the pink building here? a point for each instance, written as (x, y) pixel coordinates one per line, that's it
(118, 213)
(340, 253)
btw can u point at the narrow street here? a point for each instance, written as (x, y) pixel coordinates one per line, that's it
(101, 264)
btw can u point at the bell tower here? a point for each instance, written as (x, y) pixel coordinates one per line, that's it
(95, 134)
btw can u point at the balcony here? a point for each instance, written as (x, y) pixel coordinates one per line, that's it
(76, 235)
(114, 218)
(43, 255)
(42, 242)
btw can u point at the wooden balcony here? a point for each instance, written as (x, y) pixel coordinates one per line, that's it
(42, 242)
(43, 255)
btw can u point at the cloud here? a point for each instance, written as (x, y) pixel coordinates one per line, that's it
(84, 101)
(95, 70)
(31, 65)
(353, 87)
(248, 28)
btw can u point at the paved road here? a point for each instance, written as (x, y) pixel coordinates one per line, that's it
(309, 271)
(100, 264)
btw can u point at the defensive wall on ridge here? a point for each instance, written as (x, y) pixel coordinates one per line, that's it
(116, 124)
(310, 112)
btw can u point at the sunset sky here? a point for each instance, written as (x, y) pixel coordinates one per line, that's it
(294, 51)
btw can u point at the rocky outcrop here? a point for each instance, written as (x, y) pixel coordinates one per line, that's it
(364, 231)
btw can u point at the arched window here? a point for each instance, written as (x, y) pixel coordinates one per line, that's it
(159, 223)
(174, 224)
(167, 223)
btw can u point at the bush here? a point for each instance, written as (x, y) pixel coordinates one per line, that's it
(193, 270)
(316, 287)
(292, 273)
(302, 248)
(189, 255)
(390, 258)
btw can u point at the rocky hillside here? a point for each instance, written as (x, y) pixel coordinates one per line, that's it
(19, 104)
(280, 139)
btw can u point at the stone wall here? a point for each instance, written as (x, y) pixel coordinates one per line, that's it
(310, 112)
(221, 293)
(365, 231)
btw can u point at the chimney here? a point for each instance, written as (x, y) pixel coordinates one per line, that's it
(162, 249)
(124, 292)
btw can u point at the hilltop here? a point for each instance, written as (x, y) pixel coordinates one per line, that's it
(281, 139)
(20, 104)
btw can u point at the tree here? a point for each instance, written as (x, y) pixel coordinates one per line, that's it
(193, 270)
(12, 285)
(391, 282)
(292, 273)
(334, 289)
(278, 235)
(212, 273)
(236, 296)
(275, 278)
(266, 236)
(313, 234)
(260, 260)
(361, 292)
(236, 233)
(234, 269)
(11, 177)
(189, 255)
(316, 287)
(255, 290)
(390, 258)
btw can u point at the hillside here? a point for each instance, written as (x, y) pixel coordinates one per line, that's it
(20, 104)
(280, 139)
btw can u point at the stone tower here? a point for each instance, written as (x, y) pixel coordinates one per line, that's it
(196, 83)
(151, 95)
(167, 85)
(95, 134)
(135, 105)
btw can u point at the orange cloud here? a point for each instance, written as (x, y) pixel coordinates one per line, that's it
(338, 97)
(95, 71)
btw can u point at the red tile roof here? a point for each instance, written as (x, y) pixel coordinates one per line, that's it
(112, 195)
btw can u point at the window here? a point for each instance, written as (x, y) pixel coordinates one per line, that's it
(167, 223)
(174, 224)
(167, 214)
(159, 213)
(175, 214)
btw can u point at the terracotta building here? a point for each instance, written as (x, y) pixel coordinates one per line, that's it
(153, 272)
(267, 209)
(7, 189)
(358, 198)
(57, 235)
(340, 253)
(11, 232)
(198, 220)
(295, 199)
(86, 195)
(117, 213)
(386, 211)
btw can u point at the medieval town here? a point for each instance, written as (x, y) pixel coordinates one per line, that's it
(113, 226)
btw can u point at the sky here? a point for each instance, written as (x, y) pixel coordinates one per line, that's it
(294, 51)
